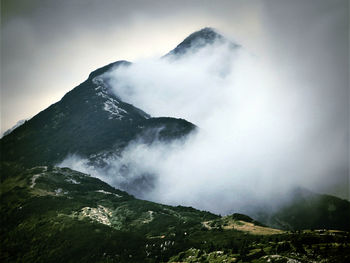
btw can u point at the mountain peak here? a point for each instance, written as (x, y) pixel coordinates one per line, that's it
(205, 36)
(206, 33)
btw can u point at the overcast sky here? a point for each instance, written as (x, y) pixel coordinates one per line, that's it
(49, 47)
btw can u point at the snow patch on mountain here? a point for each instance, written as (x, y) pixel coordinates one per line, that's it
(110, 105)
(114, 110)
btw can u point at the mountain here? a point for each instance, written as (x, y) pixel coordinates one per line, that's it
(51, 214)
(88, 120)
(308, 210)
(82, 219)
(92, 122)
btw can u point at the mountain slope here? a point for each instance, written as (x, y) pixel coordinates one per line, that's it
(49, 211)
(87, 120)
(51, 214)
(308, 210)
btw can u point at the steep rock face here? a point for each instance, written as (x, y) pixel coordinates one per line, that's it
(87, 120)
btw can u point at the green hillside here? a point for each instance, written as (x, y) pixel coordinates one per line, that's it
(51, 214)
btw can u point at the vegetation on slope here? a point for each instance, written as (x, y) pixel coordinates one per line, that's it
(51, 214)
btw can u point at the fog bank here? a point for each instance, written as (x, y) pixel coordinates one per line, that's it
(258, 136)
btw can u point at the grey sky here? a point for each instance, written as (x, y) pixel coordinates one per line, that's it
(49, 47)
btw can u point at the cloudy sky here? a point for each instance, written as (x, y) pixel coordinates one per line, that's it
(49, 47)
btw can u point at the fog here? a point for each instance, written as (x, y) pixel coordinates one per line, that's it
(257, 135)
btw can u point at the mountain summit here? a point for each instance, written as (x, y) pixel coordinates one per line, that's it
(199, 39)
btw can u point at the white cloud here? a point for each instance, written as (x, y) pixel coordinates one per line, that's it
(255, 139)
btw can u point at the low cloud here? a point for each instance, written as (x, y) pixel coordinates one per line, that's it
(258, 136)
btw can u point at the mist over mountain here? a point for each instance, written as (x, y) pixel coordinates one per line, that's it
(91, 122)
(255, 141)
(174, 131)
(207, 125)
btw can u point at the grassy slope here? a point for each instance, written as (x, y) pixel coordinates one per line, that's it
(60, 215)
